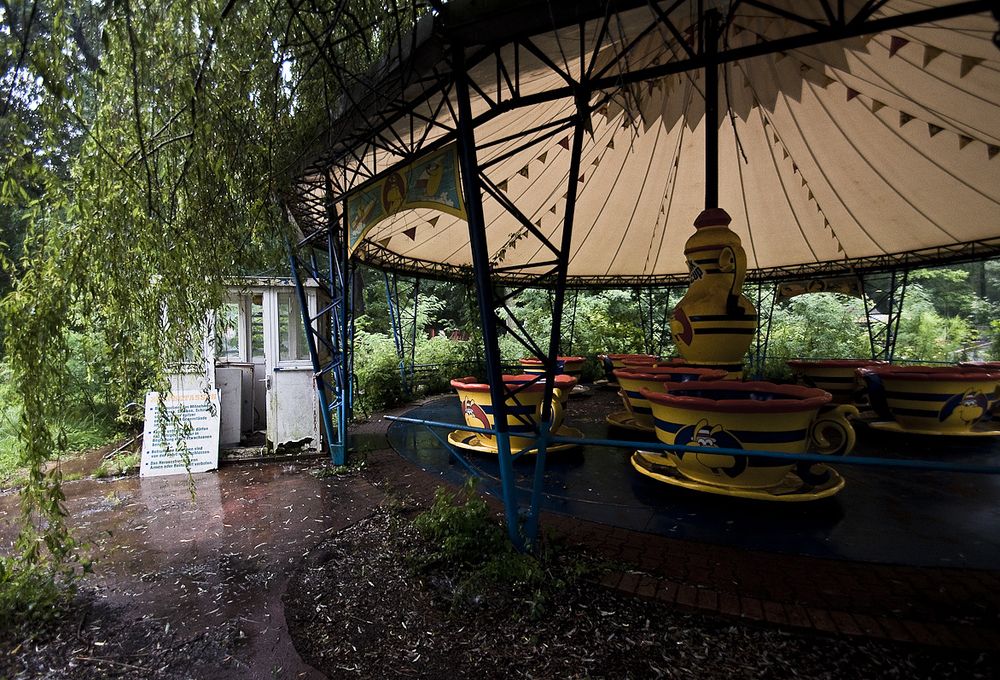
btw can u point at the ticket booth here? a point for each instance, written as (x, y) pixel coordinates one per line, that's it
(258, 359)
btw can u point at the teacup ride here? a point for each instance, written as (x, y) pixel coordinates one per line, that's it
(525, 406)
(933, 400)
(612, 361)
(750, 416)
(638, 414)
(839, 377)
(572, 366)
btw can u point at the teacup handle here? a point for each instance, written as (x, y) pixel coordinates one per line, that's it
(557, 410)
(832, 433)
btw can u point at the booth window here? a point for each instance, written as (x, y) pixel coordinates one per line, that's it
(227, 336)
(257, 326)
(292, 344)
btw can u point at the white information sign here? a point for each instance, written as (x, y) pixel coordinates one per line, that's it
(187, 424)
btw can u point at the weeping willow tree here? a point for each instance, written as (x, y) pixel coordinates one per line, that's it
(144, 145)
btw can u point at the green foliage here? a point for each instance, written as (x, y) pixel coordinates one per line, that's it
(377, 368)
(118, 465)
(31, 596)
(466, 541)
(816, 326)
(926, 335)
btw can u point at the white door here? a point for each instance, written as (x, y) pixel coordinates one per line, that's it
(292, 404)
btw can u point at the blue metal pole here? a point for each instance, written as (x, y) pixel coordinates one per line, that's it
(562, 268)
(311, 343)
(469, 165)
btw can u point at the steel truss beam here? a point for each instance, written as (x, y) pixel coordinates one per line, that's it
(883, 297)
(381, 258)
(766, 295)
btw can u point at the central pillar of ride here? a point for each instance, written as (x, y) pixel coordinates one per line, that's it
(714, 323)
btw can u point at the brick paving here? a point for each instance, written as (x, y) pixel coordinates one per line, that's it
(953, 607)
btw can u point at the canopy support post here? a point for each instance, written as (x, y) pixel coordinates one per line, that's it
(472, 194)
(332, 375)
(710, 46)
(396, 324)
(555, 334)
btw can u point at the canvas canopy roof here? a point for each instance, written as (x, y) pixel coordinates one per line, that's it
(869, 152)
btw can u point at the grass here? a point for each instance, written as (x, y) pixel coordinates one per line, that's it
(116, 466)
(466, 541)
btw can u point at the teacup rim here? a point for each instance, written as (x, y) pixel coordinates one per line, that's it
(835, 363)
(532, 361)
(649, 372)
(934, 373)
(624, 356)
(804, 398)
(471, 383)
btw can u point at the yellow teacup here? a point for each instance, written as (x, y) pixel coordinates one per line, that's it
(612, 361)
(751, 416)
(945, 399)
(653, 378)
(569, 365)
(839, 377)
(524, 405)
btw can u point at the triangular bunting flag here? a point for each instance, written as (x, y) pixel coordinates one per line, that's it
(611, 143)
(385, 242)
(934, 129)
(930, 54)
(737, 29)
(746, 83)
(410, 233)
(811, 197)
(603, 110)
(992, 150)
(876, 105)
(896, 43)
(824, 81)
(784, 151)
(774, 135)
(566, 195)
(662, 211)
(434, 220)
(564, 142)
(805, 68)
(581, 178)
(795, 168)
(523, 172)
(542, 157)
(963, 141)
(904, 118)
(596, 161)
(852, 93)
(553, 209)
(502, 186)
(538, 223)
(803, 181)
(967, 64)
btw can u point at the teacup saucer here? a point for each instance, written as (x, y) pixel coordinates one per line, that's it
(627, 421)
(470, 441)
(981, 430)
(791, 489)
